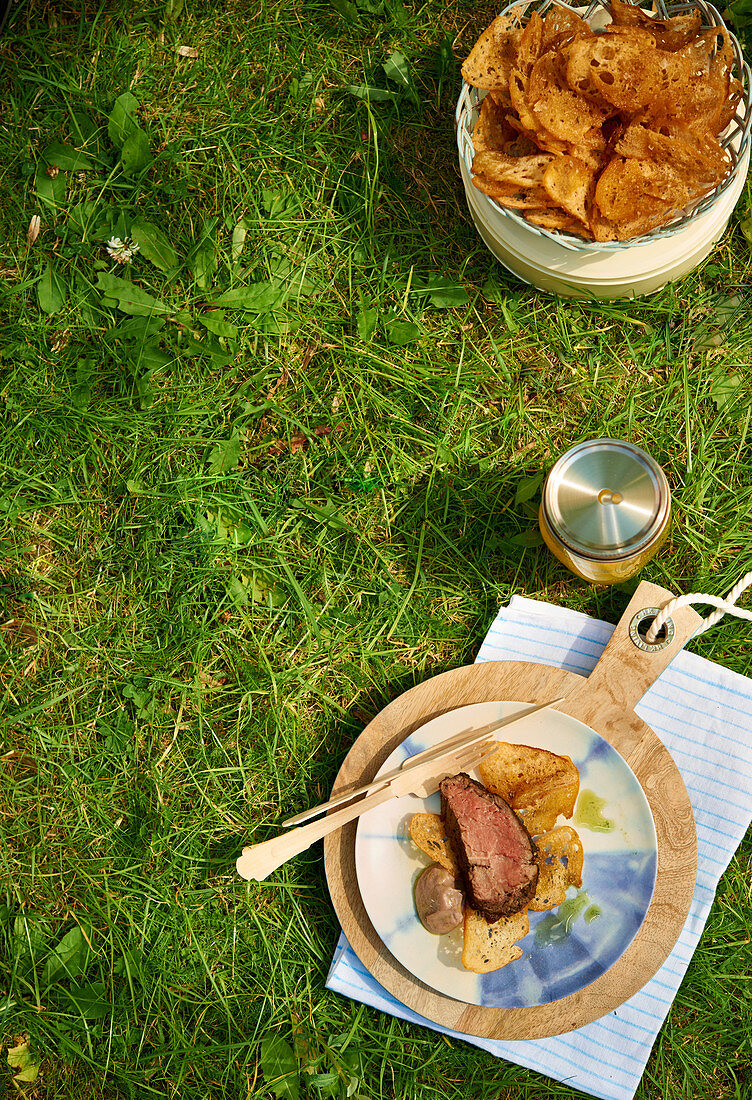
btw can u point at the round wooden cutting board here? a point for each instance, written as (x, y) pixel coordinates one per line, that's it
(604, 701)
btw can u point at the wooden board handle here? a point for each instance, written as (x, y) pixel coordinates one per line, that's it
(625, 672)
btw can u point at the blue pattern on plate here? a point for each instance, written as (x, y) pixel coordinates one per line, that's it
(621, 885)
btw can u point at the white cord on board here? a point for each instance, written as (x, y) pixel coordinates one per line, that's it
(724, 606)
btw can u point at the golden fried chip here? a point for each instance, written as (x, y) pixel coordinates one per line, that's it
(561, 25)
(617, 68)
(516, 197)
(492, 131)
(427, 831)
(735, 93)
(571, 185)
(530, 44)
(521, 171)
(543, 804)
(559, 110)
(556, 219)
(697, 158)
(491, 58)
(538, 785)
(637, 196)
(488, 947)
(669, 34)
(560, 857)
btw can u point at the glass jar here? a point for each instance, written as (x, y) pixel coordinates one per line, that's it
(605, 510)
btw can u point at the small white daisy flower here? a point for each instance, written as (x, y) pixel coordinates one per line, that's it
(122, 251)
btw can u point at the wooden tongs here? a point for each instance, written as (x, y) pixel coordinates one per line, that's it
(419, 775)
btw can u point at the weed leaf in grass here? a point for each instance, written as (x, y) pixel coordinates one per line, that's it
(741, 13)
(371, 92)
(122, 121)
(149, 357)
(279, 1067)
(154, 244)
(85, 127)
(746, 223)
(326, 1083)
(401, 333)
(444, 59)
(224, 456)
(81, 218)
(299, 85)
(214, 322)
(66, 157)
(173, 9)
(397, 69)
(446, 293)
(140, 695)
(239, 233)
(347, 10)
(20, 1058)
(136, 154)
(368, 319)
(51, 291)
(204, 263)
(277, 204)
(29, 939)
(527, 538)
(129, 298)
(256, 298)
(50, 190)
(527, 488)
(81, 391)
(725, 390)
(90, 1000)
(69, 958)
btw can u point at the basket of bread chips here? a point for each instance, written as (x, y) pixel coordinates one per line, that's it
(603, 128)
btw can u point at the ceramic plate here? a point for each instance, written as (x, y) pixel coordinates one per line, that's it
(566, 949)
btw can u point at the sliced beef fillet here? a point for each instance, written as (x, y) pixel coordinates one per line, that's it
(494, 849)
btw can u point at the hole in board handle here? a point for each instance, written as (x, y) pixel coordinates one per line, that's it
(640, 625)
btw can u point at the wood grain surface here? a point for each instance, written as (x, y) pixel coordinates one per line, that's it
(604, 701)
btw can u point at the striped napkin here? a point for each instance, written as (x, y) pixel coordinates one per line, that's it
(703, 714)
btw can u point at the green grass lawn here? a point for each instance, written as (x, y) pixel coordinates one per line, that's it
(261, 480)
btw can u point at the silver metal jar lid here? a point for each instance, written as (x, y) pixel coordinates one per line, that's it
(606, 498)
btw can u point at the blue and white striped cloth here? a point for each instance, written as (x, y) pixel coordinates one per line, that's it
(703, 714)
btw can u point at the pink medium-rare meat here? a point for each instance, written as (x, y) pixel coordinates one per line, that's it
(495, 852)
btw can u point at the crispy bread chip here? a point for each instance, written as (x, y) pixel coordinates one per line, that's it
(518, 197)
(636, 196)
(538, 785)
(522, 171)
(491, 58)
(616, 68)
(560, 111)
(559, 220)
(561, 26)
(571, 185)
(492, 132)
(669, 34)
(696, 158)
(488, 947)
(427, 831)
(530, 46)
(560, 858)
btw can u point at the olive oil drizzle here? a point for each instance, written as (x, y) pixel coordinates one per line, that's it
(589, 813)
